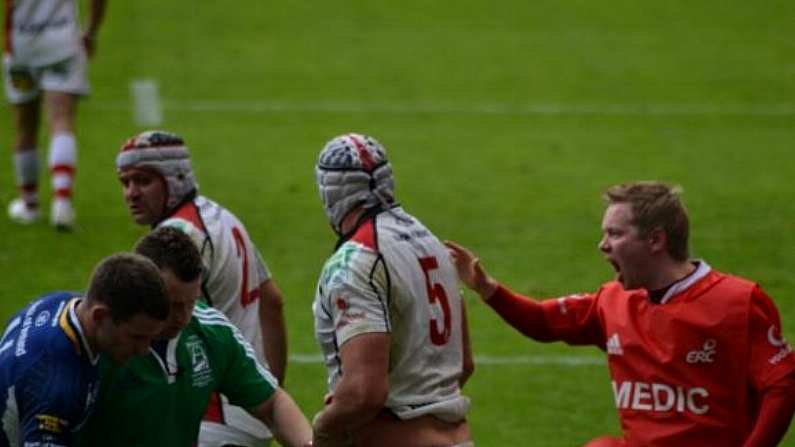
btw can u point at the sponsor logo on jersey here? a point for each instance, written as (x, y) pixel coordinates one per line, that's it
(660, 397)
(562, 302)
(614, 345)
(200, 363)
(777, 341)
(23, 333)
(51, 424)
(337, 268)
(346, 315)
(418, 234)
(42, 318)
(774, 338)
(704, 355)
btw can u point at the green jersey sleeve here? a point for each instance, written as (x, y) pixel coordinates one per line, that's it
(242, 378)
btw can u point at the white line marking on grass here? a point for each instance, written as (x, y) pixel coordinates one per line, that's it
(558, 360)
(539, 109)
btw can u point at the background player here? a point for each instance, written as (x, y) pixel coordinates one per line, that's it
(160, 399)
(389, 316)
(160, 190)
(696, 356)
(49, 352)
(46, 52)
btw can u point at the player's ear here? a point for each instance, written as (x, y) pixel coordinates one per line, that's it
(658, 240)
(99, 313)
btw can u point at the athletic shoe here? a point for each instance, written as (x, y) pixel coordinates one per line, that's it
(21, 213)
(62, 215)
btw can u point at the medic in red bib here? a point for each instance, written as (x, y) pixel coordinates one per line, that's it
(696, 356)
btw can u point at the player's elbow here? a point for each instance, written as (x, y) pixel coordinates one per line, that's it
(370, 397)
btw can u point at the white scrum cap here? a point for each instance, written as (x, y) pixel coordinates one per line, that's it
(352, 170)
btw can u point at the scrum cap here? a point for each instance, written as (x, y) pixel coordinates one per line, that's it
(166, 154)
(352, 170)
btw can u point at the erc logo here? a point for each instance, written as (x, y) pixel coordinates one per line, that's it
(704, 355)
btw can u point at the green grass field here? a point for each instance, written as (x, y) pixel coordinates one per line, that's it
(504, 122)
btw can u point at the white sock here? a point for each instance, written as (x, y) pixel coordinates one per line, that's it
(62, 163)
(26, 167)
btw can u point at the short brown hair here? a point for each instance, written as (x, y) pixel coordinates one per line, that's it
(129, 284)
(172, 249)
(655, 205)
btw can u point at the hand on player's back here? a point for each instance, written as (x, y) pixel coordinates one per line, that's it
(470, 271)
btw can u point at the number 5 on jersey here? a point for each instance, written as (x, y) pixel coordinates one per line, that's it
(436, 293)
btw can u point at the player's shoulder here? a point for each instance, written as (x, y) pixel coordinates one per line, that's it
(351, 259)
(196, 214)
(213, 212)
(212, 322)
(724, 286)
(396, 219)
(206, 314)
(53, 300)
(730, 280)
(612, 293)
(38, 325)
(189, 224)
(396, 227)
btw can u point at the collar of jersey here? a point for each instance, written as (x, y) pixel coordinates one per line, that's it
(70, 325)
(685, 283)
(168, 364)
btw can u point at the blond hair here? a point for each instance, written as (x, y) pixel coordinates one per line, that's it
(655, 205)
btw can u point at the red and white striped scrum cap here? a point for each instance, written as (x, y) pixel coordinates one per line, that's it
(165, 154)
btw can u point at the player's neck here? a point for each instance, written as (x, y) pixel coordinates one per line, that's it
(668, 272)
(350, 220)
(83, 312)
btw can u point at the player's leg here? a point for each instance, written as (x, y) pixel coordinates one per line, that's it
(606, 441)
(64, 83)
(62, 160)
(21, 86)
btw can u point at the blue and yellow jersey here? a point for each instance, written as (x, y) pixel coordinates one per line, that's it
(48, 374)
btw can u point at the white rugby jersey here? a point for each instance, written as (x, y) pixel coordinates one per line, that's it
(233, 273)
(234, 268)
(42, 32)
(394, 276)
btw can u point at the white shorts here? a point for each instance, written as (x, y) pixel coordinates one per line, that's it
(236, 427)
(213, 434)
(25, 83)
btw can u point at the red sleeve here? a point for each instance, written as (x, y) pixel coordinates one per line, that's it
(775, 413)
(573, 319)
(771, 356)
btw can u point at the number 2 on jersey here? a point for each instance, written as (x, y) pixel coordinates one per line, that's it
(246, 297)
(436, 293)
